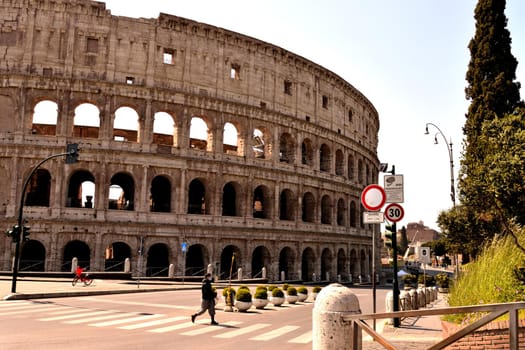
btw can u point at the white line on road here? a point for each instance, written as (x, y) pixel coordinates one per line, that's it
(111, 301)
(126, 320)
(154, 323)
(172, 328)
(241, 331)
(77, 315)
(302, 339)
(100, 318)
(26, 310)
(275, 333)
(210, 329)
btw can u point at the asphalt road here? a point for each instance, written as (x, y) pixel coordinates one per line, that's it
(159, 320)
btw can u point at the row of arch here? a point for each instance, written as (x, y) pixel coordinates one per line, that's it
(309, 207)
(127, 127)
(304, 265)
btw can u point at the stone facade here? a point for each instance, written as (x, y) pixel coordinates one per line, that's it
(284, 194)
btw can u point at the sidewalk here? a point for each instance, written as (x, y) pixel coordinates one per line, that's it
(35, 288)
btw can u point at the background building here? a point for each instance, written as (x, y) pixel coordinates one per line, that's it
(190, 135)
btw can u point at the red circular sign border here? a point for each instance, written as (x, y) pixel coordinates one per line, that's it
(372, 187)
(397, 206)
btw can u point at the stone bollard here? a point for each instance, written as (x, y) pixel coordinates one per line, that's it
(329, 330)
(127, 265)
(414, 299)
(405, 300)
(74, 264)
(421, 298)
(171, 271)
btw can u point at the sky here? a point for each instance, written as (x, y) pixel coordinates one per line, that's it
(408, 57)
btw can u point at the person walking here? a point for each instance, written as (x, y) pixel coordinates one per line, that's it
(208, 300)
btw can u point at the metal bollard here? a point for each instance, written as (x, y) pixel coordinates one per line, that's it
(329, 330)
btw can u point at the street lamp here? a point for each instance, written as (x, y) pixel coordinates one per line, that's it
(450, 155)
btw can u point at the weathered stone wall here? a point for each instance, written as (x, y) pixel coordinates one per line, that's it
(76, 52)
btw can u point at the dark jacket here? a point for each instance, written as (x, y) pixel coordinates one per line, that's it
(207, 290)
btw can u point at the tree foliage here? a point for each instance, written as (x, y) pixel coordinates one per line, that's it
(491, 189)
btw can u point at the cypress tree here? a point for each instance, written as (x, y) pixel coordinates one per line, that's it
(493, 93)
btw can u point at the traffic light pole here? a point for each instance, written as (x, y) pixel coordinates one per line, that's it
(395, 285)
(21, 212)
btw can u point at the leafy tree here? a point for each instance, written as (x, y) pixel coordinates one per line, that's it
(403, 241)
(494, 94)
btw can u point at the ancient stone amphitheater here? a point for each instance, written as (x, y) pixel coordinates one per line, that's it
(199, 147)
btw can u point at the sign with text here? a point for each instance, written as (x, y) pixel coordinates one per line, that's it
(393, 186)
(373, 217)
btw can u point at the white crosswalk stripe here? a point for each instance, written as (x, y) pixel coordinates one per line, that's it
(125, 320)
(242, 331)
(275, 333)
(100, 318)
(78, 314)
(154, 323)
(23, 310)
(302, 339)
(172, 328)
(210, 329)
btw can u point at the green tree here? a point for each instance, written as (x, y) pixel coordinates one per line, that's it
(403, 241)
(494, 94)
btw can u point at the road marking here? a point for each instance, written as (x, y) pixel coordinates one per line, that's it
(77, 315)
(172, 328)
(68, 310)
(136, 303)
(210, 329)
(154, 323)
(100, 318)
(25, 310)
(275, 333)
(241, 331)
(126, 320)
(302, 339)
(13, 303)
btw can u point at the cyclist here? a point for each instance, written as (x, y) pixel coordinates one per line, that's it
(79, 272)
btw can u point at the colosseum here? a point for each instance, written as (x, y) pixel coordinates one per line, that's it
(199, 147)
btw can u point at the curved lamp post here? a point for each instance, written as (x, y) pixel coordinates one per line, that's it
(450, 155)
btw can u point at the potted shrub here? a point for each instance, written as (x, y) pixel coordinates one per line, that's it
(277, 298)
(229, 295)
(285, 287)
(291, 295)
(315, 291)
(302, 293)
(260, 297)
(243, 299)
(443, 282)
(409, 281)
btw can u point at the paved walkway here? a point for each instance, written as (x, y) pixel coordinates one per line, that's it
(414, 333)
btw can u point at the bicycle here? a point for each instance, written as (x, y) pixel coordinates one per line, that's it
(83, 279)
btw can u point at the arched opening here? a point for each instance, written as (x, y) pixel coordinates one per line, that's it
(116, 255)
(341, 212)
(86, 121)
(286, 263)
(32, 256)
(308, 265)
(325, 158)
(39, 188)
(200, 137)
(195, 260)
(354, 264)
(163, 129)
(326, 265)
(351, 167)
(341, 265)
(260, 258)
(158, 261)
(287, 148)
(286, 205)
(308, 207)
(76, 249)
(326, 210)
(160, 195)
(360, 171)
(229, 263)
(339, 163)
(229, 200)
(81, 190)
(364, 268)
(261, 144)
(121, 192)
(230, 139)
(45, 116)
(261, 202)
(197, 198)
(307, 152)
(353, 214)
(126, 125)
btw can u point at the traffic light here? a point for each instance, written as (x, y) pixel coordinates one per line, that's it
(72, 153)
(14, 233)
(389, 234)
(25, 233)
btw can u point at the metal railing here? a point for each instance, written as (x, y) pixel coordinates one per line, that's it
(496, 310)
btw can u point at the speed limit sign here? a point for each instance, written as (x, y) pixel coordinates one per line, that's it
(394, 212)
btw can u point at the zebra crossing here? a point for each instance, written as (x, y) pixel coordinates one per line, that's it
(151, 323)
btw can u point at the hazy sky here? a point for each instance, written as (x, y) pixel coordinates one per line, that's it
(409, 57)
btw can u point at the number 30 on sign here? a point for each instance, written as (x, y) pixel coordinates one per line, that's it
(394, 212)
